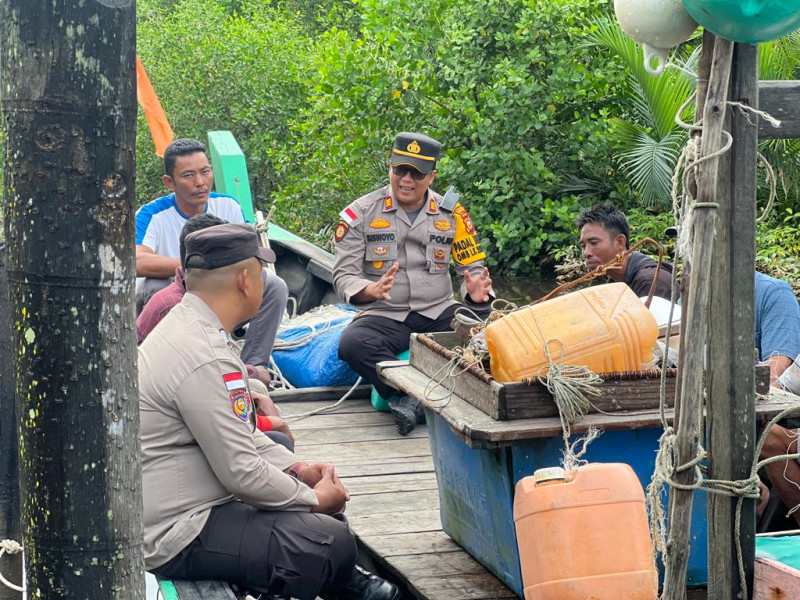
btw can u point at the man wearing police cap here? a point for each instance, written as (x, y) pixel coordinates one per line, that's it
(393, 252)
(221, 500)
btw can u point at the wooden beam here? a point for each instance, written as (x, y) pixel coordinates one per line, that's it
(781, 99)
(730, 422)
(705, 218)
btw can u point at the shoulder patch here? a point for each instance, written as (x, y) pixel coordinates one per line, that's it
(466, 246)
(340, 231)
(450, 200)
(234, 381)
(241, 404)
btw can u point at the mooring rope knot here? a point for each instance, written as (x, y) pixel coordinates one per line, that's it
(10, 547)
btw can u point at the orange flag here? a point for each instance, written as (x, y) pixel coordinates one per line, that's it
(156, 119)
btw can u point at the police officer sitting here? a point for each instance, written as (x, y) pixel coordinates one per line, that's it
(221, 500)
(393, 252)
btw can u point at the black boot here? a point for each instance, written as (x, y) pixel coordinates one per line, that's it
(363, 585)
(406, 412)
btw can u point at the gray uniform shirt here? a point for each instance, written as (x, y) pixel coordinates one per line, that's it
(374, 233)
(199, 446)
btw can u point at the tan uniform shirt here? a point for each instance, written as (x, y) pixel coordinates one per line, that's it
(199, 445)
(375, 232)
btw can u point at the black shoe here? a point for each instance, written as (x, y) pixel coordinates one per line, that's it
(363, 585)
(404, 418)
(419, 412)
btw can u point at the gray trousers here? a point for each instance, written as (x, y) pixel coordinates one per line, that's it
(260, 336)
(293, 554)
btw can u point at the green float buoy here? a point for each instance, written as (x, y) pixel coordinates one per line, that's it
(746, 21)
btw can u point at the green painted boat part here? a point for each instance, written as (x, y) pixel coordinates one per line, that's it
(379, 402)
(167, 589)
(784, 549)
(230, 170)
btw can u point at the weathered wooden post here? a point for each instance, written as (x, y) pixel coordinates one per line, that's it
(690, 425)
(10, 565)
(730, 422)
(68, 102)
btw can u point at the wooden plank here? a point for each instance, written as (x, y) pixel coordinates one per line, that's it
(203, 590)
(331, 420)
(781, 99)
(731, 380)
(479, 586)
(321, 394)
(400, 544)
(344, 434)
(364, 451)
(439, 566)
(386, 466)
(531, 401)
(346, 407)
(696, 329)
(402, 482)
(392, 521)
(416, 500)
(774, 580)
(438, 368)
(477, 426)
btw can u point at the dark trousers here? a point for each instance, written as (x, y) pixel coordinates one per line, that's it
(369, 340)
(294, 554)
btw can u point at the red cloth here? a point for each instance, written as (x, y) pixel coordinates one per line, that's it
(263, 423)
(159, 305)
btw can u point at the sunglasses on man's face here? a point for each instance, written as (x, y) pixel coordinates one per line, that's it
(402, 170)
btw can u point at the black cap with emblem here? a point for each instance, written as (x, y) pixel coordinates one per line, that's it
(416, 150)
(223, 245)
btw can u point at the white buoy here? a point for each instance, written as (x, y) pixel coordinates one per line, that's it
(656, 24)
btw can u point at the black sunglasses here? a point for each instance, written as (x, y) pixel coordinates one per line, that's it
(403, 169)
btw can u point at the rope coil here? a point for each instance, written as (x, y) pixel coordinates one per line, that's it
(10, 547)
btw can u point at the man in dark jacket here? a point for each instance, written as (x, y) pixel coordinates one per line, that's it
(605, 233)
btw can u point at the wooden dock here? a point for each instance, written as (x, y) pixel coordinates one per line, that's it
(394, 505)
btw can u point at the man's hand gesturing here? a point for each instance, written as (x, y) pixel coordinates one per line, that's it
(378, 290)
(478, 287)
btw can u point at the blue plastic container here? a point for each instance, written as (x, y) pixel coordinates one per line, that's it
(476, 491)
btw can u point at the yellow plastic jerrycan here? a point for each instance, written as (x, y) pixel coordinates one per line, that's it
(604, 327)
(586, 537)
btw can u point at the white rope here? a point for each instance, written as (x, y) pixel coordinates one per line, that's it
(10, 547)
(330, 407)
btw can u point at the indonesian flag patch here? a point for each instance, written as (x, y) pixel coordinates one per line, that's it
(234, 381)
(348, 215)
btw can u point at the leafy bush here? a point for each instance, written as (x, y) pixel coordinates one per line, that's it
(507, 86)
(778, 248)
(222, 65)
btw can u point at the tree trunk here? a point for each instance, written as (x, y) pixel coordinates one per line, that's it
(10, 565)
(68, 101)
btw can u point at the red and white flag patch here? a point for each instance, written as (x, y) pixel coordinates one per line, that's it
(233, 381)
(348, 215)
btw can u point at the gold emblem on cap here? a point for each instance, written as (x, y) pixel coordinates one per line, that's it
(413, 147)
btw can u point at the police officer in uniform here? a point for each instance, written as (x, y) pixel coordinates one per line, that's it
(393, 252)
(221, 500)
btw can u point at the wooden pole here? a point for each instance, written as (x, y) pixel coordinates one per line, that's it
(69, 110)
(10, 565)
(689, 428)
(730, 421)
(703, 72)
